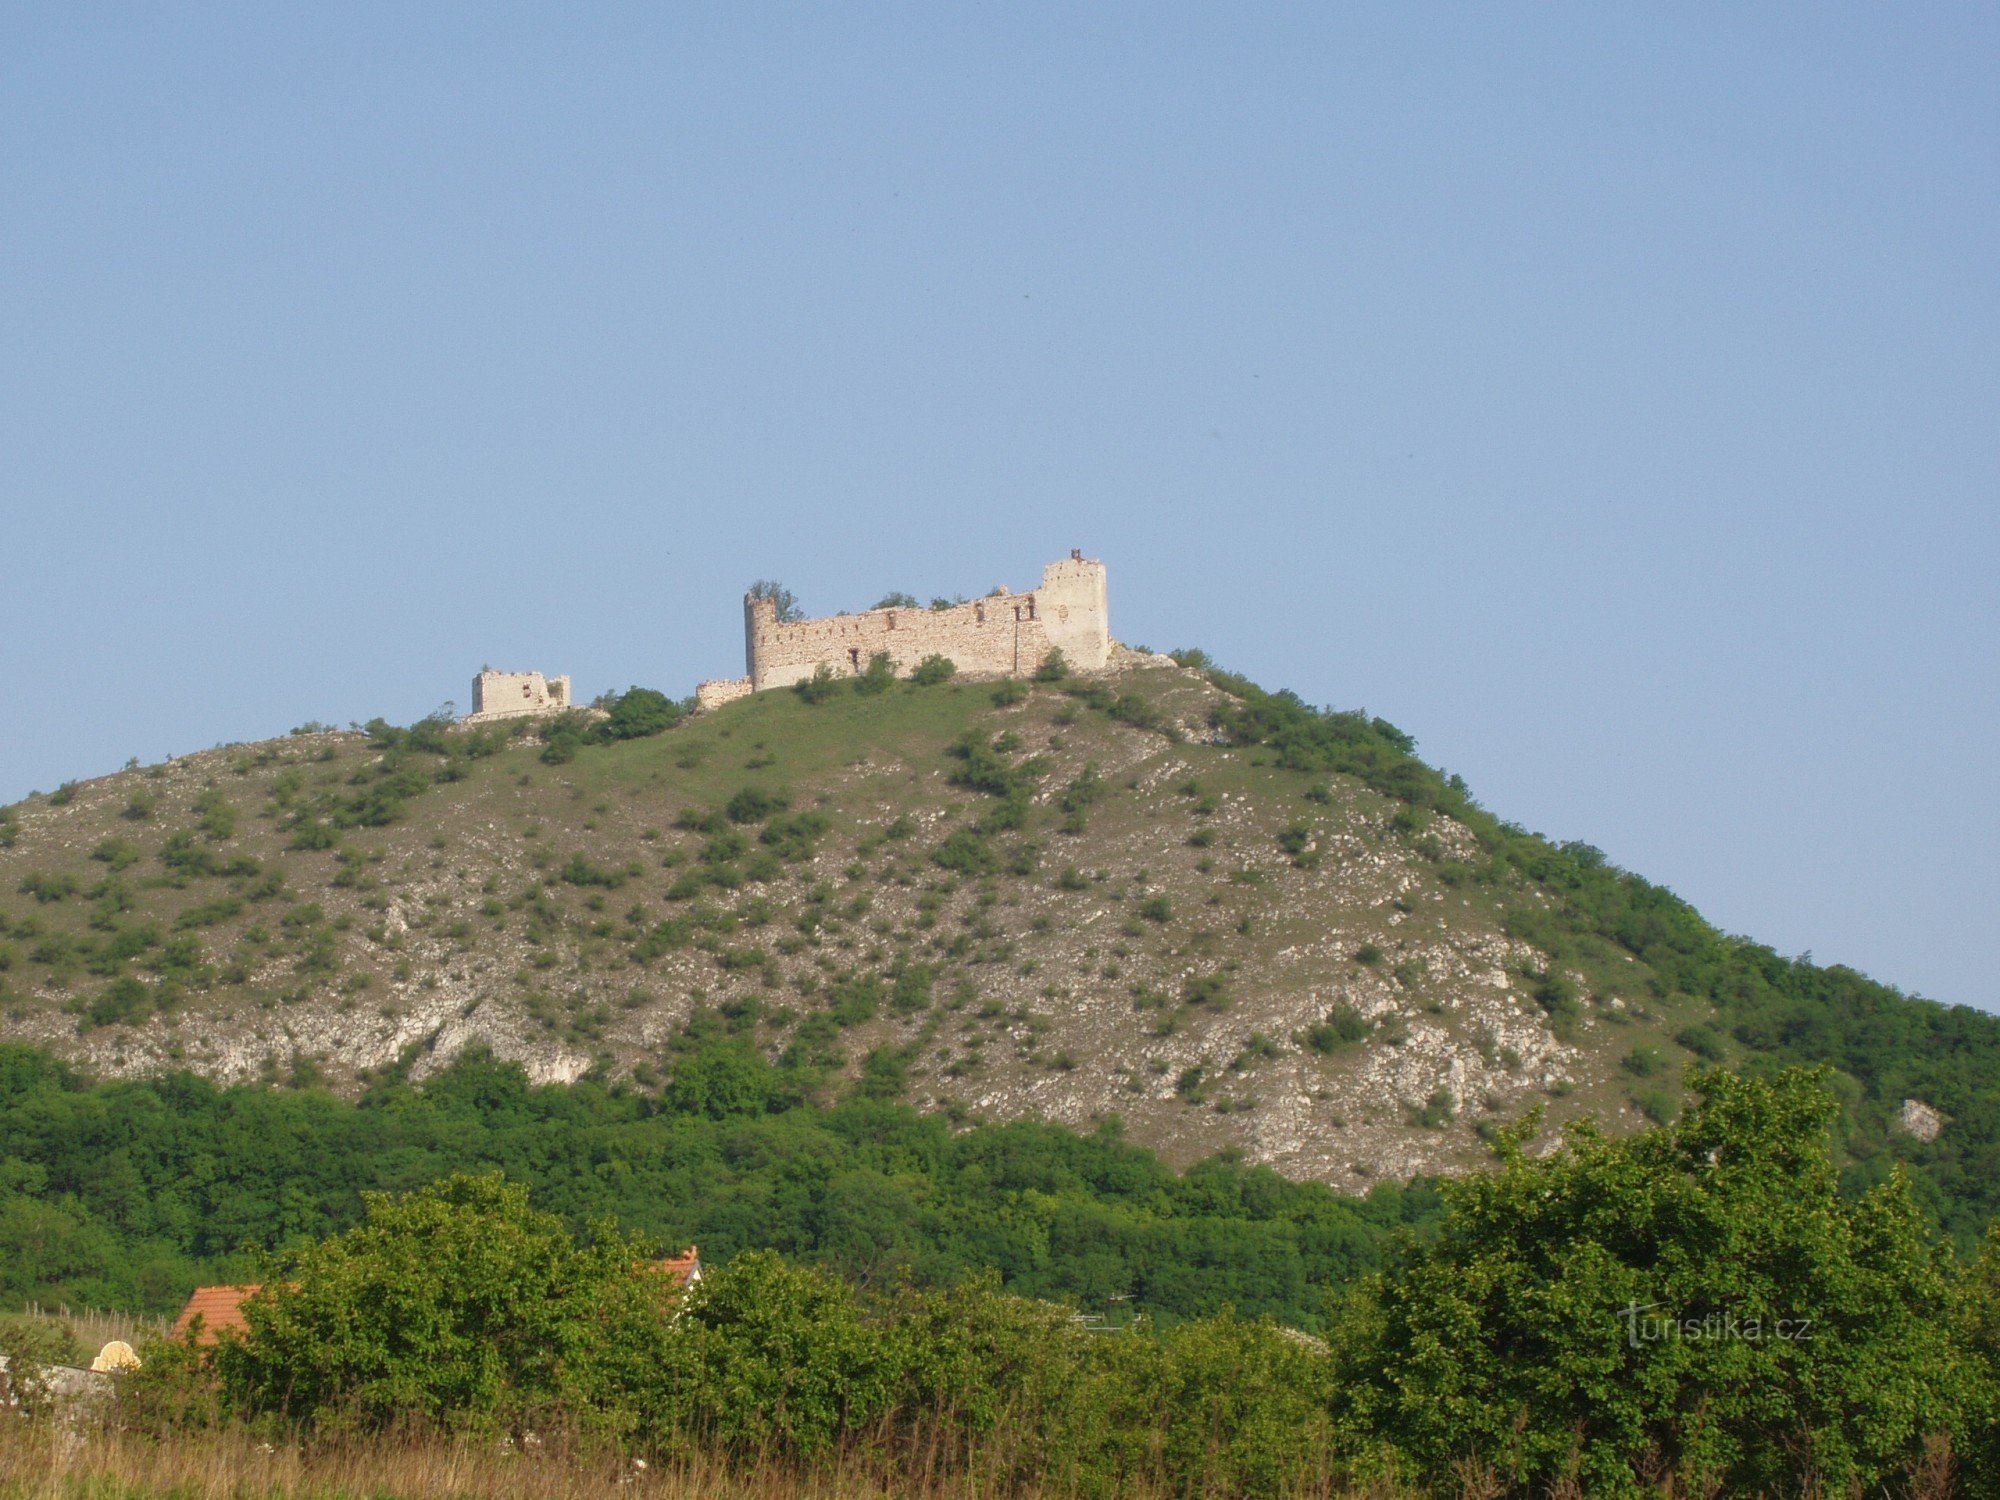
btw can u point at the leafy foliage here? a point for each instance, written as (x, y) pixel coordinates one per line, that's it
(1696, 1302)
(933, 670)
(128, 1193)
(781, 599)
(456, 1300)
(638, 712)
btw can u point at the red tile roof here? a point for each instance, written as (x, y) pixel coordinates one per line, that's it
(219, 1308)
(682, 1268)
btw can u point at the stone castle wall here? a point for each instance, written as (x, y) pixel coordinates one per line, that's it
(515, 695)
(1002, 635)
(718, 691)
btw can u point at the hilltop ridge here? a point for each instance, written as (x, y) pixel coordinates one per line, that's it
(1158, 893)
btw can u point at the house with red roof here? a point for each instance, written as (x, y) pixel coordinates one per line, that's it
(682, 1270)
(220, 1309)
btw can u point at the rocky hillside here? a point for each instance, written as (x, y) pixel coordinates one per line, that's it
(1162, 893)
(1058, 900)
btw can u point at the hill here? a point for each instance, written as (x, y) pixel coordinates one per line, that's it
(1161, 893)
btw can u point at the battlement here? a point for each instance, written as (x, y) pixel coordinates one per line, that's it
(516, 695)
(1002, 635)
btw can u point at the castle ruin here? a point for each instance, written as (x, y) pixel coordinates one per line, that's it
(516, 695)
(1002, 635)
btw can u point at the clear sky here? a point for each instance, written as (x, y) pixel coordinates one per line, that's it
(1606, 394)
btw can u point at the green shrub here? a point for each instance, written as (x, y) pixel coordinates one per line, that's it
(1642, 1062)
(122, 1002)
(46, 888)
(1556, 994)
(1006, 694)
(819, 687)
(877, 677)
(459, 1300)
(753, 804)
(1437, 1111)
(968, 852)
(795, 837)
(1054, 667)
(580, 871)
(117, 853)
(855, 999)
(1207, 989)
(933, 670)
(912, 992)
(1343, 1026)
(639, 712)
(1704, 1041)
(1656, 1105)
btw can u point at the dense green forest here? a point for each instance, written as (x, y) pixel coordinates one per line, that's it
(128, 1193)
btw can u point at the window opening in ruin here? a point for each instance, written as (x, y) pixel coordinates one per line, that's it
(892, 619)
(980, 611)
(854, 657)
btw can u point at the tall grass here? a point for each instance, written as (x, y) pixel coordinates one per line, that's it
(95, 1327)
(58, 1461)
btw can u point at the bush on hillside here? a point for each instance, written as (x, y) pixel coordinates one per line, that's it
(821, 686)
(1696, 1302)
(457, 1301)
(932, 670)
(877, 677)
(638, 712)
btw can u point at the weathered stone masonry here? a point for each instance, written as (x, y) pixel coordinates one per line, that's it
(514, 695)
(1002, 635)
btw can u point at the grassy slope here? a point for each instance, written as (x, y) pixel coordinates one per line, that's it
(1167, 962)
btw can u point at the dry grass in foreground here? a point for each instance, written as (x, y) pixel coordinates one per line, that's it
(44, 1461)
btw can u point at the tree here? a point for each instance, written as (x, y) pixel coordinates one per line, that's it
(781, 597)
(932, 670)
(638, 712)
(769, 1357)
(898, 600)
(459, 1300)
(1696, 1303)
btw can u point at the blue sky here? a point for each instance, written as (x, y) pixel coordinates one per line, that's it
(1605, 394)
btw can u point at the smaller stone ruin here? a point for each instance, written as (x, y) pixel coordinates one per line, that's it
(516, 695)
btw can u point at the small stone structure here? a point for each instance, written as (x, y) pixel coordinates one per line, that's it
(1002, 635)
(516, 695)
